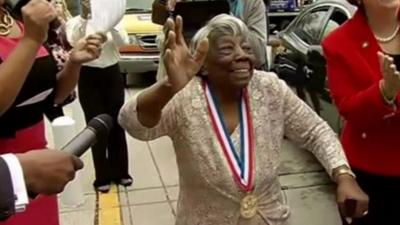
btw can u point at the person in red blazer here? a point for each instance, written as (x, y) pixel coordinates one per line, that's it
(362, 60)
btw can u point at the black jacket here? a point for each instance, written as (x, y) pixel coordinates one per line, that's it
(7, 199)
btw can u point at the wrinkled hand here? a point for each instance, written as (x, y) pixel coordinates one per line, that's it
(180, 64)
(48, 171)
(348, 191)
(87, 49)
(391, 76)
(37, 14)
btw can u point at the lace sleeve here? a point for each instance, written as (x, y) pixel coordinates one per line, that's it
(305, 127)
(129, 121)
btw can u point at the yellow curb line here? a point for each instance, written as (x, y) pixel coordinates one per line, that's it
(108, 210)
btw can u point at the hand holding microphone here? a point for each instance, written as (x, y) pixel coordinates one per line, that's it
(49, 171)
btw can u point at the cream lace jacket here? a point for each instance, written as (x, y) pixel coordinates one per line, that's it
(208, 193)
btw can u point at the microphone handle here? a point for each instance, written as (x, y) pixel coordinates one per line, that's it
(81, 142)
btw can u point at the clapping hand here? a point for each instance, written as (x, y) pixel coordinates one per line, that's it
(391, 76)
(181, 65)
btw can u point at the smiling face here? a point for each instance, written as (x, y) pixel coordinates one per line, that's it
(230, 62)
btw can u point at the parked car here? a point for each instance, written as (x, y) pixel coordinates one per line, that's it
(142, 55)
(304, 57)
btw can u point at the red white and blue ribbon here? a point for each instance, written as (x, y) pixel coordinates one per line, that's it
(241, 164)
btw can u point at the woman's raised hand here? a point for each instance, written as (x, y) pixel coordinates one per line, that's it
(180, 64)
(391, 76)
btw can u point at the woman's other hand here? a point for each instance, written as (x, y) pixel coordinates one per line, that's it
(352, 201)
(37, 15)
(87, 49)
(180, 64)
(390, 85)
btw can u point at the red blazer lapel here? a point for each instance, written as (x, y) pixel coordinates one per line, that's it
(365, 42)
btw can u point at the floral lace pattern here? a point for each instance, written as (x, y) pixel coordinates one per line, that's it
(208, 193)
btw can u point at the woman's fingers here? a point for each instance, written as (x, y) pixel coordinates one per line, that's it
(169, 64)
(381, 58)
(169, 25)
(179, 30)
(392, 69)
(388, 64)
(94, 49)
(95, 42)
(361, 209)
(201, 52)
(384, 63)
(168, 58)
(170, 43)
(97, 36)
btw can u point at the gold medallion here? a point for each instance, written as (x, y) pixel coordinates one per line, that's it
(249, 206)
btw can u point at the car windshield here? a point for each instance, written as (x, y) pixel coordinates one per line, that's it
(138, 5)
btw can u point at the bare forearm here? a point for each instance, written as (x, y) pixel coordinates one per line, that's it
(67, 81)
(13, 75)
(151, 102)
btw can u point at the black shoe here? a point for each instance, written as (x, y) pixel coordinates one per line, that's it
(125, 181)
(103, 187)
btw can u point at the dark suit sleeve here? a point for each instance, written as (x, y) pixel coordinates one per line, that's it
(7, 199)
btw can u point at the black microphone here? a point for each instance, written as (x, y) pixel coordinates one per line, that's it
(96, 129)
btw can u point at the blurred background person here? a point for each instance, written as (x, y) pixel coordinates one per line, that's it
(29, 69)
(59, 46)
(363, 57)
(62, 10)
(227, 122)
(101, 90)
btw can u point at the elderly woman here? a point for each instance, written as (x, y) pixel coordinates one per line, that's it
(227, 125)
(252, 12)
(364, 81)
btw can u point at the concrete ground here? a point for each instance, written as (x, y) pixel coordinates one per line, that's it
(152, 198)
